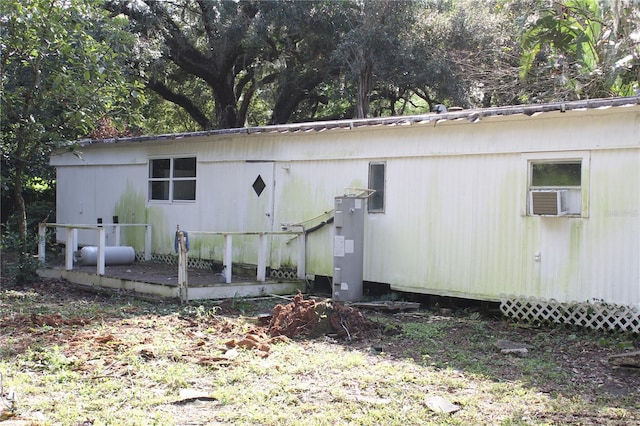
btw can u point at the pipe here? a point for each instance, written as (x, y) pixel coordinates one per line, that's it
(318, 226)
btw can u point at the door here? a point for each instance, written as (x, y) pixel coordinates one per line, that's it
(259, 182)
(557, 258)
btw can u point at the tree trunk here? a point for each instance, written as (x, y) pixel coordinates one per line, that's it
(293, 92)
(20, 208)
(285, 105)
(364, 82)
(226, 106)
(21, 155)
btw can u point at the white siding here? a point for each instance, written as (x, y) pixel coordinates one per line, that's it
(455, 218)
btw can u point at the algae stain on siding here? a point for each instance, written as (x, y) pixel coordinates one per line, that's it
(204, 247)
(570, 274)
(302, 199)
(320, 252)
(575, 253)
(132, 208)
(297, 201)
(201, 246)
(528, 277)
(162, 233)
(497, 242)
(197, 247)
(564, 274)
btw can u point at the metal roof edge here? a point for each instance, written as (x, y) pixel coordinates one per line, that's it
(472, 115)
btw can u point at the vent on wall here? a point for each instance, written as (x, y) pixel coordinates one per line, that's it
(548, 202)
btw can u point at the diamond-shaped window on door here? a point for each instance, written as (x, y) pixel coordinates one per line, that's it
(259, 185)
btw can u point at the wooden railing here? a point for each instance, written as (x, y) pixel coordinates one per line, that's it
(262, 251)
(71, 244)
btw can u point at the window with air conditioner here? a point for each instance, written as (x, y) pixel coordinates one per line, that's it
(555, 188)
(172, 179)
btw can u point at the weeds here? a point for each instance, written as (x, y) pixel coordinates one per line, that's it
(131, 363)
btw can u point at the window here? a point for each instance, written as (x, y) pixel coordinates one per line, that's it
(172, 179)
(555, 187)
(556, 174)
(376, 182)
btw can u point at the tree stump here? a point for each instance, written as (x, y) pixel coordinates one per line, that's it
(312, 318)
(628, 360)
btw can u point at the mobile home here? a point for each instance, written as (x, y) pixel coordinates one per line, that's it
(538, 201)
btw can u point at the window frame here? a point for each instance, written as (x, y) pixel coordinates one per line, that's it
(171, 179)
(581, 157)
(371, 166)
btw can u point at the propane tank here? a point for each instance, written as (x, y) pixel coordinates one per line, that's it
(113, 255)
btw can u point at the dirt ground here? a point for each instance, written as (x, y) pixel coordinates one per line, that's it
(585, 356)
(314, 317)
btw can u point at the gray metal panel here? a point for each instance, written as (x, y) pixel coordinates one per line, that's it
(348, 245)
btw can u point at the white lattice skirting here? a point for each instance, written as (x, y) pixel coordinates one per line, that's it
(283, 274)
(590, 314)
(172, 259)
(197, 263)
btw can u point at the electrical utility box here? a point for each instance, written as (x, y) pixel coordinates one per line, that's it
(348, 246)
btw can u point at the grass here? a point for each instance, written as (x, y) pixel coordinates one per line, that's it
(135, 363)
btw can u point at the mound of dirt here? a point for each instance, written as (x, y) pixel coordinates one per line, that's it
(315, 318)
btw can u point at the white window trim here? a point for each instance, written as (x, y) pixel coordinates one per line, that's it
(171, 179)
(584, 157)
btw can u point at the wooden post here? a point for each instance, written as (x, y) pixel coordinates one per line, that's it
(42, 241)
(262, 257)
(75, 239)
(102, 239)
(227, 262)
(117, 234)
(183, 260)
(69, 249)
(302, 256)
(147, 242)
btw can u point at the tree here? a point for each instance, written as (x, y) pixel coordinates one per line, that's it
(297, 70)
(375, 52)
(213, 57)
(408, 56)
(191, 52)
(582, 49)
(60, 74)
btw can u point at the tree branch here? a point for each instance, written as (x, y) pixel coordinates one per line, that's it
(181, 100)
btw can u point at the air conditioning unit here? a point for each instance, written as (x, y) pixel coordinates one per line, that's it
(548, 202)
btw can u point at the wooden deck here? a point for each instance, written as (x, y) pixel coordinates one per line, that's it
(161, 280)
